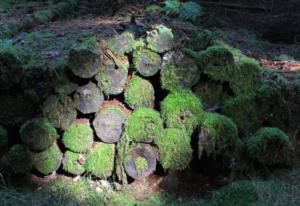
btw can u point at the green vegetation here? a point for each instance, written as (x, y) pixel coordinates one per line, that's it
(201, 40)
(139, 93)
(270, 147)
(183, 110)
(79, 136)
(48, 160)
(100, 160)
(141, 164)
(38, 134)
(71, 163)
(147, 63)
(143, 125)
(122, 44)
(19, 159)
(3, 137)
(219, 135)
(160, 39)
(175, 149)
(189, 10)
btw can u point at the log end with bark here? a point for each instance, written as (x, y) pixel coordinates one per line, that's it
(146, 62)
(160, 39)
(121, 44)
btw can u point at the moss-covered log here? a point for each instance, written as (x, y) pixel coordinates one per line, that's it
(38, 134)
(79, 136)
(160, 39)
(63, 86)
(100, 160)
(60, 111)
(89, 98)
(109, 121)
(72, 163)
(139, 93)
(121, 44)
(85, 58)
(140, 161)
(48, 160)
(178, 71)
(146, 62)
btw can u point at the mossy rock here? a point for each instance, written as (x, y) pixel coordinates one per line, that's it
(111, 77)
(3, 137)
(270, 147)
(19, 159)
(16, 109)
(178, 72)
(160, 39)
(60, 111)
(219, 135)
(121, 44)
(85, 58)
(140, 161)
(143, 125)
(182, 110)
(72, 163)
(139, 93)
(174, 148)
(146, 62)
(211, 93)
(48, 160)
(100, 160)
(38, 134)
(79, 136)
(201, 40)
(109, 121)
(90, 98)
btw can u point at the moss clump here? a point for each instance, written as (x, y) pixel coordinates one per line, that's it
(269, 147)
(61, 112)
(148, 63)
(201, 40)
(79, 136)
(141, 164)
(85, 58)
(139, 93)
(48, 160)
(211, 93)
(143, 125)
(175, 149)
(160, 39)
(178, 72)
(38, 134)
(121, 44)
(3, 137)
(219, 135)
(100, 160)
(72, 164)
(19, 159)
(183, 110)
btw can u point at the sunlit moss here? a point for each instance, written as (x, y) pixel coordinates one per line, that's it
(219, 135)
(160, 39)
(79, 136)
(71, 163)
(100, 160)
(175, 149)
(183, 110)
(141, 164)
(19, 159)
(48, 160)
(139, 93)
(143, 125)
(269, 147)
(38, 134)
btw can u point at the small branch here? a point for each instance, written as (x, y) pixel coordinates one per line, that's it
(235, 6)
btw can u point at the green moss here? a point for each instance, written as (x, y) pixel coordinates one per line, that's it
(201, 40)
(141, 164)
(175, 149)
(121, 44)
(153, 9)
(100, 160)
(19, 159)
(160, 39)
(137, 44)
(143, 125)
(79, 137)
(71, 163)
(139, 93)
(183, 110)
(146, 62)
(219, 135)
(48, 160)
(44, 16)
(178, 72)
(38, 134)
(3, 137)
(269, 147)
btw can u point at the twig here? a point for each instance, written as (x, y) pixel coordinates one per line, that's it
(236, 6)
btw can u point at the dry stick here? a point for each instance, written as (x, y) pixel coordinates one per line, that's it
(237, 6)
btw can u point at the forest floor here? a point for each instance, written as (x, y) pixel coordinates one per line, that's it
(51, 41)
